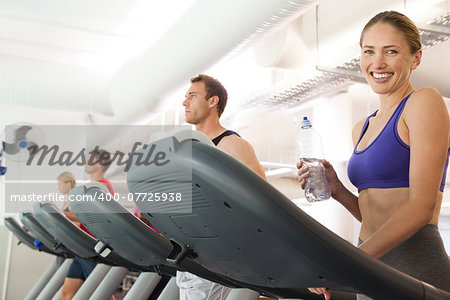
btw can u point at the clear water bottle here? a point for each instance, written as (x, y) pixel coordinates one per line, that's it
(310, 152)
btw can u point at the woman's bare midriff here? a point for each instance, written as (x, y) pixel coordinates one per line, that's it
(378, 205)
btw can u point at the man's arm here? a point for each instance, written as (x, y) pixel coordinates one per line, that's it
(241, 150)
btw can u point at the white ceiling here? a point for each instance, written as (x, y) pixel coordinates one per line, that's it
(99, 34)
(74, 55)
(99, 57)
(60, 55)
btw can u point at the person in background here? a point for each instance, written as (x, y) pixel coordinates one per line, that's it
(66, 182)
(204, 103)
(400, 158)
(96, 165)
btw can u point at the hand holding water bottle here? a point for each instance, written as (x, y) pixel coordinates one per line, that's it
(330, 174)
(310, 154)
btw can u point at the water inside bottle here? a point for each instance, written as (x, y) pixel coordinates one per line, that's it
(317, 188)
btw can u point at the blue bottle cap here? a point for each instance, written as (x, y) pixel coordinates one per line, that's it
(306, 123)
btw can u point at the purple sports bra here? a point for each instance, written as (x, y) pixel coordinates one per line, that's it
(385, 162)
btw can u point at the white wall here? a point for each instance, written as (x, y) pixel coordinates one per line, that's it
(22, 268)
(4, 237)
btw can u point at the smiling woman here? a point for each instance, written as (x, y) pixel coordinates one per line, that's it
(389, 54)
(400, 178)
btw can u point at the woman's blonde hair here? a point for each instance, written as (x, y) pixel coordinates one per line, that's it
(67, 177)
(401, 23)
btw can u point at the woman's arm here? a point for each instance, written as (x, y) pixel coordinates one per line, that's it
(427, 122)
(338, 191)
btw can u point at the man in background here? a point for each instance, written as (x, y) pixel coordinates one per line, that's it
(204, 103)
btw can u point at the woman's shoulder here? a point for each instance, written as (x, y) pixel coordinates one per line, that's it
(425, 100)
(425, 104)
(426, 92)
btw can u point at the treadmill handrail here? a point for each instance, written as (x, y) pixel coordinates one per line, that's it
(229, 191)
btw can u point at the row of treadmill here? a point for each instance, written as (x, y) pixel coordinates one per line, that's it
(226, 225)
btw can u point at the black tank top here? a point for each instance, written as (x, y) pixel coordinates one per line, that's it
(217, 140)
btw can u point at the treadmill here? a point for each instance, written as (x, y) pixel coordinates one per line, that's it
(43, 236)
(119, 231)
(236, 215)
(111, 267)
(53, 277)
(25, 237)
